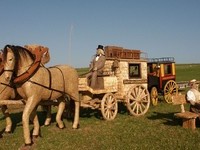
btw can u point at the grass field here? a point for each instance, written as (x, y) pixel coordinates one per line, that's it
(186, 72)
(158, 129)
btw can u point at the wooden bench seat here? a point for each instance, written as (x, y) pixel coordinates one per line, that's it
(188, 118)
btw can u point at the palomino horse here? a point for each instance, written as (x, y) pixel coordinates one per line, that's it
(8, 92)
(52, 83)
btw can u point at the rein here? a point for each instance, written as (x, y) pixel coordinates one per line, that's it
(50, 87)
(5, 84)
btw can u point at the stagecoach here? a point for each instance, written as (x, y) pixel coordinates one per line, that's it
(124, 80)
(162, 78)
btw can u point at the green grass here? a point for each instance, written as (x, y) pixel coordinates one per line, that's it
(158, 129)
(82, 70)
(186, 72)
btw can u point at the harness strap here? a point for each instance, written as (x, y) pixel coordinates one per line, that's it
(49, 83)
(6, 84)
(62, 77)
(52, 89)
(28, 74)
(33, 68)
(49, 88)
(49, 77)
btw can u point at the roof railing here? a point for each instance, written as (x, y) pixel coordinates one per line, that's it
(163, 59)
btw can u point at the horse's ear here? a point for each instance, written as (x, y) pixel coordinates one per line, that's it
(9, 49)
(6, 49)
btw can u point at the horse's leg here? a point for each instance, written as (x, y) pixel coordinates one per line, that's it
(61, 107)
(76, 116)
(28, 109)
(48, 119)
(36, 125)
(5, 112)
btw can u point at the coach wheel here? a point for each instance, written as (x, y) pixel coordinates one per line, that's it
(170, 89)
(138, 100)
(109, 106)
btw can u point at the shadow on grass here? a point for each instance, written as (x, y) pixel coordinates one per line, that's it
(88, 112)
(17, 120)
(84, 113)
(166, 118)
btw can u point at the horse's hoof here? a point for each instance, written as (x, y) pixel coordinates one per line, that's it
(30, 144)
(7, 132)
(61, 127)
(46, 125)
(78, 126)
(34, 138)
(26, 147)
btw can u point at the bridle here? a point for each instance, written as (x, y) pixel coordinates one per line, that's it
(2, 70)
(5, 84)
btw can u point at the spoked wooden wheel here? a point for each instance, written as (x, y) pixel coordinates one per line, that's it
(109, 106)
(154, 96)
(138, 100)
(170, 89)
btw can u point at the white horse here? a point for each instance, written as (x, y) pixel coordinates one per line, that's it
(52, 83)
(8, 92)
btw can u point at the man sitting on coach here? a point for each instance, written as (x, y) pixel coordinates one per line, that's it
(96, 66)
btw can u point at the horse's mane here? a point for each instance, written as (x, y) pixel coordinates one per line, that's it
(20, 54)
(17, 51)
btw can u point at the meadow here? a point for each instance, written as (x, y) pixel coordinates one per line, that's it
(157, 129)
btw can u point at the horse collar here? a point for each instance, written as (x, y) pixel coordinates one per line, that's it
(28, 74)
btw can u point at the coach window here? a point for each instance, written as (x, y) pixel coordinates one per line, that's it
(134, 71)
(168, 69)
(149, 68)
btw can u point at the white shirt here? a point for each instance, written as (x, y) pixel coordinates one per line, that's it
(97, 57)
(191, 96)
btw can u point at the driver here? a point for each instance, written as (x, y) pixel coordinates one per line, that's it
(96, 66)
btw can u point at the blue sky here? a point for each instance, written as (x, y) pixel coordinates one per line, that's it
(72, 29)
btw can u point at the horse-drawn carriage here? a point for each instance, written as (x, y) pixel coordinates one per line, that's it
(161, 78)
(124, 80)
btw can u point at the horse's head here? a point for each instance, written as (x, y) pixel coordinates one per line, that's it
(17, 62)
(8, 62)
